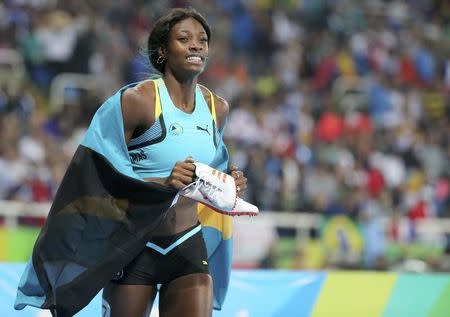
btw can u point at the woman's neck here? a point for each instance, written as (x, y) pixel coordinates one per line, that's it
(182, 93)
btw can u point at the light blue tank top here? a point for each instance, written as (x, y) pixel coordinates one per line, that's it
(174, 136)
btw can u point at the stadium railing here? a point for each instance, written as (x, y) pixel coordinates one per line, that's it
(74, 81)
(301, 222)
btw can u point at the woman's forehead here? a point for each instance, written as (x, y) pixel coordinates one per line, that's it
(188, 25)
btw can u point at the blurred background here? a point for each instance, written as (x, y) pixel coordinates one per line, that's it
(339, 117)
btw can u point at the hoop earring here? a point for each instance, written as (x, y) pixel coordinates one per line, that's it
(160, 59)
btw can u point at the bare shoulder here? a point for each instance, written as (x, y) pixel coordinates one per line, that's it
(139, 95)
(138, 102)
(222, 106)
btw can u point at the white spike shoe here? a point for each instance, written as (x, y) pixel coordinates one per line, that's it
(217, 190)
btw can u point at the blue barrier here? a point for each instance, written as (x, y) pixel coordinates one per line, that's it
(251, 293)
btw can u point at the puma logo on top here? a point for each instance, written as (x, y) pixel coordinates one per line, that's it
(203, 129)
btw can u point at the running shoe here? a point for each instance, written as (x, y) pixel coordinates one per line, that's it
(217, 190)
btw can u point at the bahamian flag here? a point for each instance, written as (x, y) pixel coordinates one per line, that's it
(101, 218)
(217, 231)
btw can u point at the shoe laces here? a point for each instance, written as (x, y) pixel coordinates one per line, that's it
(211, 187)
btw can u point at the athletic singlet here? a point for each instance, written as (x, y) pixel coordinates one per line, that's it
(174, 136)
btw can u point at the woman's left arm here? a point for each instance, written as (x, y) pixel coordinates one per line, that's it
(222, 110)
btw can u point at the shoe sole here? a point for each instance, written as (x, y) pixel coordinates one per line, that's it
(228, 213)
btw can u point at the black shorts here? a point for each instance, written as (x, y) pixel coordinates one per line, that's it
(167, 258)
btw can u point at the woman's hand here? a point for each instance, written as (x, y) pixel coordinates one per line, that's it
(182, 174)
(239, 179)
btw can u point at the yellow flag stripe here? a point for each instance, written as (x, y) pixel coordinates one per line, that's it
(211, 218)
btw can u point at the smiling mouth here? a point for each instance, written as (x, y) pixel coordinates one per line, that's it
(194, 59)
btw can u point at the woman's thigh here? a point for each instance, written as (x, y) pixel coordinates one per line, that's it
(121, 300)
(187, 296)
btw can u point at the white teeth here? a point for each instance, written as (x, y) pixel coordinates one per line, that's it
(196, 59)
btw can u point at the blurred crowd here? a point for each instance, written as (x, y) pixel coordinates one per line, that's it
(338, 107)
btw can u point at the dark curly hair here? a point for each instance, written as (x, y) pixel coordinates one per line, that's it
(159, 36)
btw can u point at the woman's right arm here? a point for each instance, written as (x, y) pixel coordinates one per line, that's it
(138, 108)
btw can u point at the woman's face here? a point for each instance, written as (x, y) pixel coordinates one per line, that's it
(187, 50)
